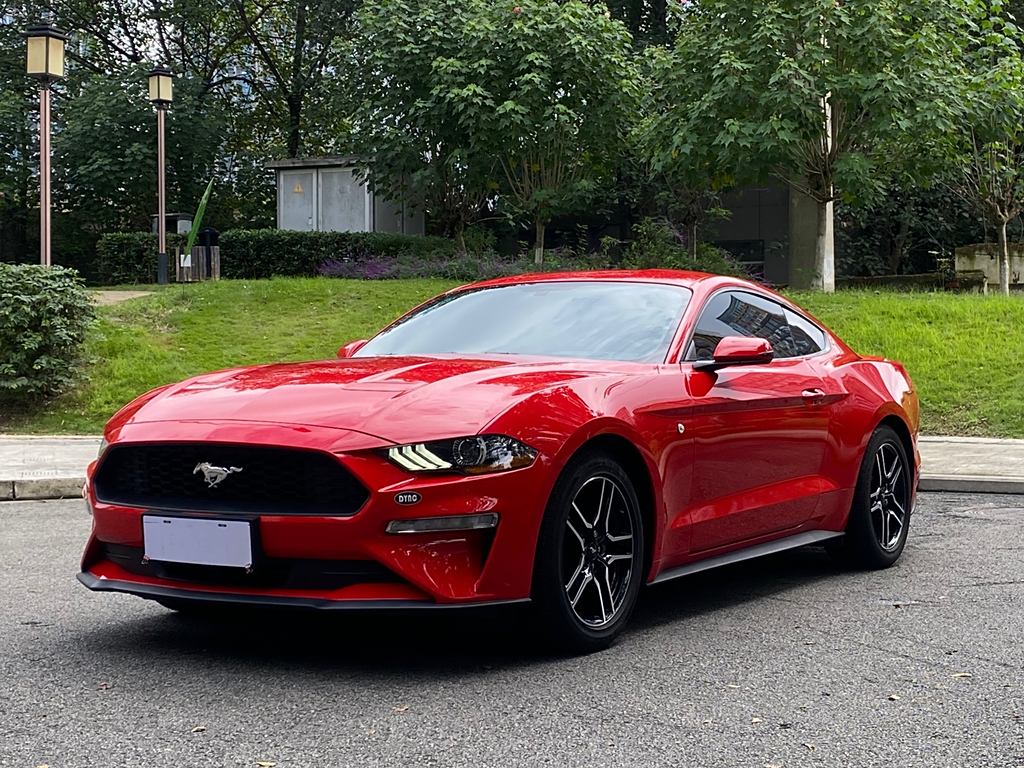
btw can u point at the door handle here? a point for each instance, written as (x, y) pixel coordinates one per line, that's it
(813, 396)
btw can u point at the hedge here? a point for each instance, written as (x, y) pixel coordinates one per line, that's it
(130, 257)
(262, 253)
(44, 315)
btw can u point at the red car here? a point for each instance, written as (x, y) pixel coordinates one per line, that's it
(562, 439)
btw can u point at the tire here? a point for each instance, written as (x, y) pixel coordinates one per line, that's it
(590, 556)
(879, 522)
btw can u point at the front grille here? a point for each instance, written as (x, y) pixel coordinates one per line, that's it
(268, 573)
(275, 481)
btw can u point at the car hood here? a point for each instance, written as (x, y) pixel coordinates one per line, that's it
(398, 399)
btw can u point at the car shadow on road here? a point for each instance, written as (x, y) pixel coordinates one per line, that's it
(455, 643)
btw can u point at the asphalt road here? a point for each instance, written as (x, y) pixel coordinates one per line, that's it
(786, 662)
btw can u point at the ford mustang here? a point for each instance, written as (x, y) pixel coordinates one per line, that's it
(559, 439)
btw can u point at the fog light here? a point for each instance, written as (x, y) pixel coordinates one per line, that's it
(435, 524)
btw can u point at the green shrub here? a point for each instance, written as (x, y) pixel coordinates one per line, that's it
(44, 315)
(257, 253)
(656, 246)
(130, 257)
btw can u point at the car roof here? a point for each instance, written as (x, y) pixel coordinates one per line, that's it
(666, 276)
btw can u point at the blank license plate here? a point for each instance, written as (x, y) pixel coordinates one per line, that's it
(197, 541)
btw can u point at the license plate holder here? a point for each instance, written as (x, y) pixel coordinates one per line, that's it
(198, 541)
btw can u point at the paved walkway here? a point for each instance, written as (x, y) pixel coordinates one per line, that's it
(106, 298)
(54, 467)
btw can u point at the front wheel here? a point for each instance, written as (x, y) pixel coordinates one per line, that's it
(876, 532)
(590, 555)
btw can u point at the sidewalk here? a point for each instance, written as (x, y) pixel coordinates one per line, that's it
(54, 467)
(44, 467)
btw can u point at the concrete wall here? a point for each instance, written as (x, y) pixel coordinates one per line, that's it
(985, 257)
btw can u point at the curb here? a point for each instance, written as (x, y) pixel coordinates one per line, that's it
(971, 484)
(43, 489)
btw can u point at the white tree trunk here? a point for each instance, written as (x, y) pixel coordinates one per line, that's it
(538, 247)
(1004, 261)
(825, 251)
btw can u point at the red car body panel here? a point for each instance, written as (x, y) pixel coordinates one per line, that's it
(727, 459)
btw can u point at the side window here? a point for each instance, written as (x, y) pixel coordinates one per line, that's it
(737, 313)
(808, 338)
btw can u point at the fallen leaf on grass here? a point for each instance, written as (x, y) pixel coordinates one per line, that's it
(810, 747)
(199, 729)
(894, 697)
(401, 708)
(265, 764)
(755, 720)
(961, 674)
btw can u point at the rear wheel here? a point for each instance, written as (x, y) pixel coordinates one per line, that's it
(590, 555)
(876, 532)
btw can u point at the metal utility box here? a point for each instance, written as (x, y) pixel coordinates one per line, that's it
(177, 223)
(325, 194)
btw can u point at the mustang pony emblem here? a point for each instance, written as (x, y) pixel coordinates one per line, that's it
(214, 476)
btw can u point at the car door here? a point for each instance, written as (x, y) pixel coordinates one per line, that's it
(759, 431)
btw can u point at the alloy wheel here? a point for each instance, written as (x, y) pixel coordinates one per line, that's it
(889, 497)
(598, 551)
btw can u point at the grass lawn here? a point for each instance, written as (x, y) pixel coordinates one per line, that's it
(183, 330)
(966, 353)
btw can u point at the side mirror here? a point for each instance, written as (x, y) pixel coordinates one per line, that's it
(738, 350)
(351, 348)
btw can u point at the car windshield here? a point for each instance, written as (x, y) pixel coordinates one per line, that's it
(597, 320)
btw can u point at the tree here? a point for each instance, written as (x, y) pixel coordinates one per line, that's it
(646, 20)
(294, 48)
(403, 122)
(18, 143)
(549, 91)
(817, 92)
(987, 151)
(105, 152)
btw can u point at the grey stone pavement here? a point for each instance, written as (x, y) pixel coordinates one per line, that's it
(788, 661)
(54, 467)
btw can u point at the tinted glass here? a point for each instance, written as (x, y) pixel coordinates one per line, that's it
(808, 338)
(593, 320)
(734, 313)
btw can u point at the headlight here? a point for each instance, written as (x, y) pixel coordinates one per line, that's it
(476, 455)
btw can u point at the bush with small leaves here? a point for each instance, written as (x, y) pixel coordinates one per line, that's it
(45, 313)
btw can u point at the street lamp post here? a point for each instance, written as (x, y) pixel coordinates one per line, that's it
(161, 93)
(45, 62)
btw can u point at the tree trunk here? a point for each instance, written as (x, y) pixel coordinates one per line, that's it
(693, 241)
(538, 246)
(460, 236)
(294, 125)
(1004, 261)
(824, 251)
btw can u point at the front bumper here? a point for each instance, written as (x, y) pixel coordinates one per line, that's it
(160, 592)
(418, 570)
